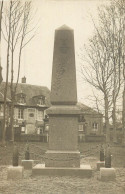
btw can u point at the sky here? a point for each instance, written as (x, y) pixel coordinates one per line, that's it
(36, 62)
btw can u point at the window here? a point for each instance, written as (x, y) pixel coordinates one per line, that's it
(40, 115)
(22, 129)
(41, 101)
(80, 127)
(81, 118)
(95, 126)
(21, 100)
(20, 113)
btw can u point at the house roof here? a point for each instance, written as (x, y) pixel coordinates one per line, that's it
(30, 91)
(86, 109)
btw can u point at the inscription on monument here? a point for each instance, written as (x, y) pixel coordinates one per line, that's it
(64, 46)
(58, 81)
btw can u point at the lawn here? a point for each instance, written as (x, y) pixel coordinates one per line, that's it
(60, 185)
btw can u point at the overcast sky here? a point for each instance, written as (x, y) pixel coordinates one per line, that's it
(37, 57)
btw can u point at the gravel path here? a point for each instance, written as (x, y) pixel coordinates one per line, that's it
(61, 185)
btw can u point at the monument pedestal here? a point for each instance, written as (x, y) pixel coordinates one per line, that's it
(63, 133)
(62, 159)
(84, 171)
(15, 172)
(107, 174)
(27, 164)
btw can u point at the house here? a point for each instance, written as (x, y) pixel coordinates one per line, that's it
(30, 117)
(30, 106)
(90, 124)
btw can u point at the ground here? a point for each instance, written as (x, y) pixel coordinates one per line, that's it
(60, 185)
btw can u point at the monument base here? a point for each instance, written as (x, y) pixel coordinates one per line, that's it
(15, 172)
(27, 164)
(84, 171)
(70, 159)
(100, 164)
(107, 174)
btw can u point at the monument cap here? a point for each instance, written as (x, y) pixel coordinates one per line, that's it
(64, 27)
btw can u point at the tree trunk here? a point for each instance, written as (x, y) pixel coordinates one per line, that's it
(12, 121)
(107, 120)
(123, 117)
(7, 73)
(114, 122)
(1, 10)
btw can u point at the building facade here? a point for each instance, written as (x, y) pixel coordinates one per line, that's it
(30, 117)
(30, 106)
(90, 124)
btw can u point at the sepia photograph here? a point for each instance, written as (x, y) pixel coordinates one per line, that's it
(62, 96)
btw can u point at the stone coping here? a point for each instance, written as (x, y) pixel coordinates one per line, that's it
(63, 110)
(63, 152)
(85, 171)
(27, 160)
(82, 166)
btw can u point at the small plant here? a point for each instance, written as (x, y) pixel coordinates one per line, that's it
(108, 157)
(27, 153)
(102, 157)
(15, 156)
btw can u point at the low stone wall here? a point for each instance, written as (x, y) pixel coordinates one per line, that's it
(95, 138)
(40, 138)
(33, 137)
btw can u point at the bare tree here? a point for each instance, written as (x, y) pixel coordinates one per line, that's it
(97, 101)
(118, 18)
(109, 52)
(7, 73)
(112, 25)
(98, 71)
(20, 36)
(121, 10)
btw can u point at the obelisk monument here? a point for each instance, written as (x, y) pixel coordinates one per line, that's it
(63, 114)
(62, 157)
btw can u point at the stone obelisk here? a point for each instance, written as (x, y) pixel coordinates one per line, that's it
(63, 114)
(62, 157)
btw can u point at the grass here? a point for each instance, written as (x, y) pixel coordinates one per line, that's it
(60, 185)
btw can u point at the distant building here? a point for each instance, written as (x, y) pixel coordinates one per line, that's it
(30, 114)
(90, 124)
(30, 107)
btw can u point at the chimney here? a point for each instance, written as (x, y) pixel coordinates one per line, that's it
(23, 80)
